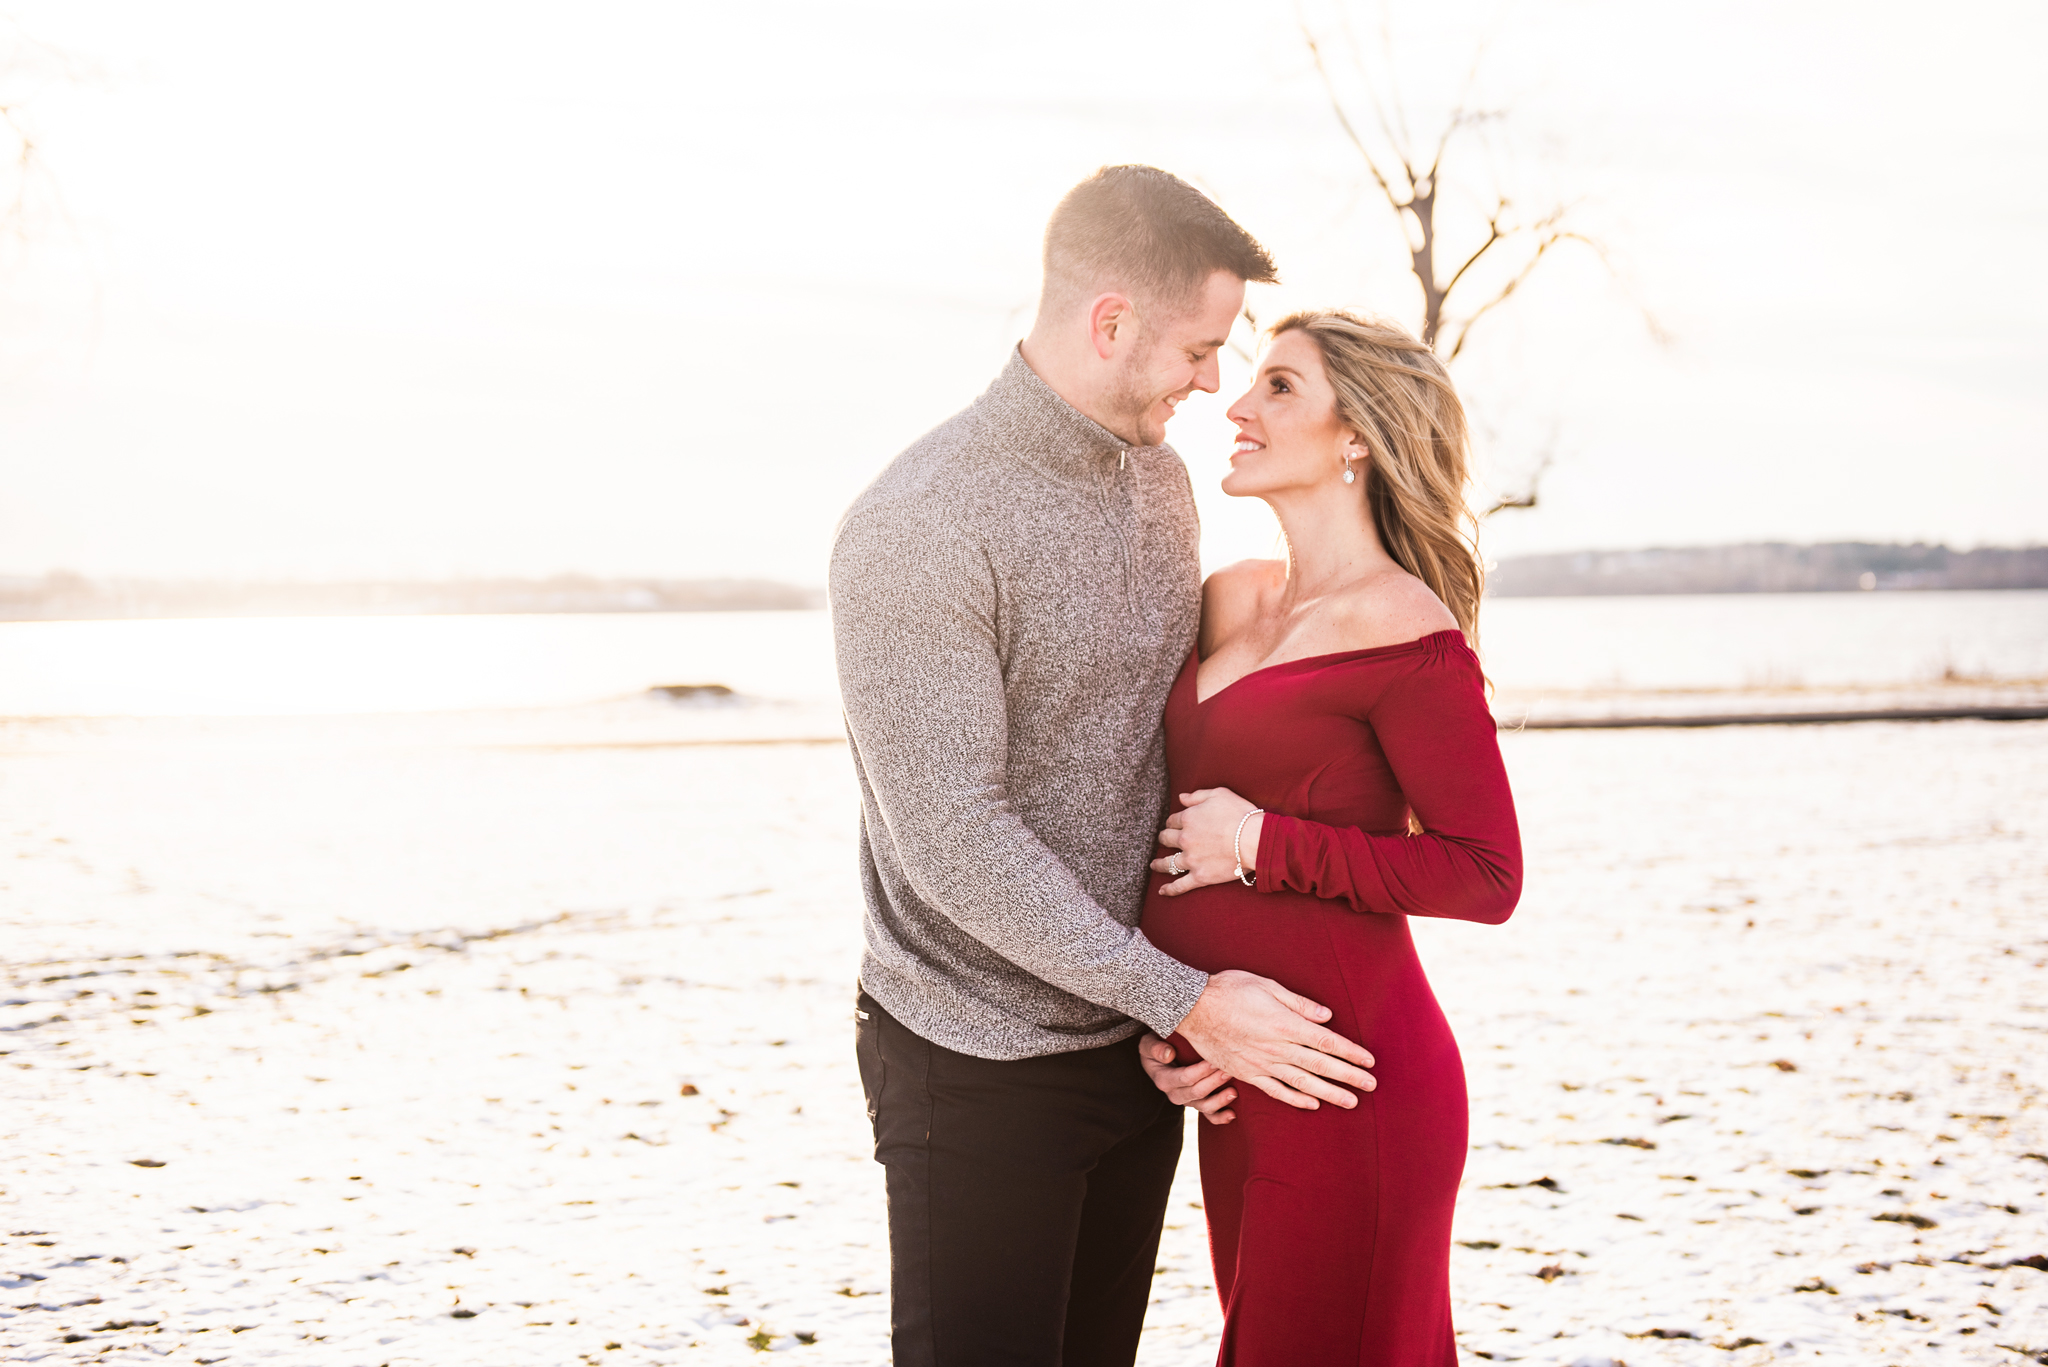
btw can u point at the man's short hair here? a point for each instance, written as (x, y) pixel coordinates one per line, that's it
(1146, 233)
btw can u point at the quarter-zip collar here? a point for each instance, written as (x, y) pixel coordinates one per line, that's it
(1050, 433)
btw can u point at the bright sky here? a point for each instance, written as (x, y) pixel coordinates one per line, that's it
(636, 287)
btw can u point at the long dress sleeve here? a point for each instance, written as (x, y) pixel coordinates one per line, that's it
(1439, 739)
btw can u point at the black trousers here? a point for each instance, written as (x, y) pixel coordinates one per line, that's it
(1025, 1198)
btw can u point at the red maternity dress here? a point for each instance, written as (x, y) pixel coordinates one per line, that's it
(1330, 1229)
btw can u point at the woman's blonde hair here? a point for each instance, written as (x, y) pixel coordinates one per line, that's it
(1396, 395)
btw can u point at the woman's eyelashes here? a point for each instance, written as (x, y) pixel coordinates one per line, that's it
(1278, 385)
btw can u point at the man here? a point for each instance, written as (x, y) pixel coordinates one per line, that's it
(1012, 599)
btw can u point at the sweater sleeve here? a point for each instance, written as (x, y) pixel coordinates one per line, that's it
(914, 626)
(1438, 735)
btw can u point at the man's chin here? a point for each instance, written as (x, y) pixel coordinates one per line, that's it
(1142, 426)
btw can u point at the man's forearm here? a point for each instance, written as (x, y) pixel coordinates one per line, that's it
(998, 882)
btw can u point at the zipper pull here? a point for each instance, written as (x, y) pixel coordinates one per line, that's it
(1123, 453)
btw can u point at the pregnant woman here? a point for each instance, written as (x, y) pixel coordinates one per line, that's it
(1337, 773)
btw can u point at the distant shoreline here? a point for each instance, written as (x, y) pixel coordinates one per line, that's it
(1769, 567)
(1760, 567)
(63, 597)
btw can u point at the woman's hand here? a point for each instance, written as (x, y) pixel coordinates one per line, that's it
(1200, 1084)
(1202, 834)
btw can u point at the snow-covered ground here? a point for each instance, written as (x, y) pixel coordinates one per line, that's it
(421, 1041)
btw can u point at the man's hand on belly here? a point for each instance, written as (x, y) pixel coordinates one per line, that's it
(1256, 1031)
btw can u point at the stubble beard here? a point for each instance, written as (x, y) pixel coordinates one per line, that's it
(1131, 401)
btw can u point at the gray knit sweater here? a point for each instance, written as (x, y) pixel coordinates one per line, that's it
(1011, 599)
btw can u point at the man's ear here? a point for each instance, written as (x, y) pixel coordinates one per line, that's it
(1107, 317)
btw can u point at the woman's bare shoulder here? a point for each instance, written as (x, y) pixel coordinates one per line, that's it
(1231, 596)
(1390, 609)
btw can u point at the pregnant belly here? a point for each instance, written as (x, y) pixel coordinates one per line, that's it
(1361, 965)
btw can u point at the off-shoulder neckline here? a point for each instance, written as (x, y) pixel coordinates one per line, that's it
(1195, 654)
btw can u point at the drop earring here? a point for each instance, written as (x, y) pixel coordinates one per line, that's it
(1350, 475)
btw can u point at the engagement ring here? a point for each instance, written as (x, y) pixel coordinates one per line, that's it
(1173, 866)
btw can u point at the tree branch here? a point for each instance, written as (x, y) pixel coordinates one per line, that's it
(1252, 322)
(1527, 498)
(1400, 141)
(1493, 235)
(1315, 52)
(1460, 118)
(1507, 290)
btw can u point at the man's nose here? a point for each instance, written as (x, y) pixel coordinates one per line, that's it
(1209, 374)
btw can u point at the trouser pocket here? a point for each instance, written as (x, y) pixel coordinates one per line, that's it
(867, 1052)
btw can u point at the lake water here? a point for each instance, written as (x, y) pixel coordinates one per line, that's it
(312, 666)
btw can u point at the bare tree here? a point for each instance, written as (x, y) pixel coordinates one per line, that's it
(1410, 175)
(1413, 187)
